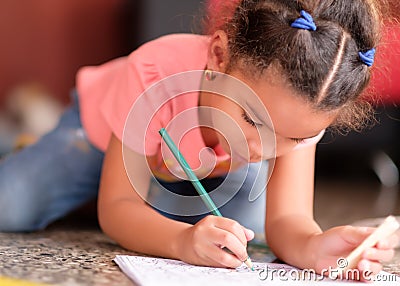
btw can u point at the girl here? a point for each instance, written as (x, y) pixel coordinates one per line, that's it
(306, 61)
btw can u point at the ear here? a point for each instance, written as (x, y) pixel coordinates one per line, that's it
(218, 53)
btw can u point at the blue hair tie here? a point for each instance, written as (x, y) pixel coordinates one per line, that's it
(305, 22)
(367, 57)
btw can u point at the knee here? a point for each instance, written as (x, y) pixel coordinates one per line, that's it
(17, 223)
(19, 209)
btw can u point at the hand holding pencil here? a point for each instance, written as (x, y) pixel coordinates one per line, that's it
(204, 243)
(348, 248)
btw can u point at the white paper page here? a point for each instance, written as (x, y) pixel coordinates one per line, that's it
(147, 271)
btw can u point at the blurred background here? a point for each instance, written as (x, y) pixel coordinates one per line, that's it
(45, 42)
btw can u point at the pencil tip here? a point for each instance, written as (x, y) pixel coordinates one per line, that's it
(249, 264)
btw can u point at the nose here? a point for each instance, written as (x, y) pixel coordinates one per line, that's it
(262, 149)
(255, 151)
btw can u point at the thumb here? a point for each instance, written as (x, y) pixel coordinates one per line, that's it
(249, 233)
(355, 235)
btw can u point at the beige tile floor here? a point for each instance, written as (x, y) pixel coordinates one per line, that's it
(75, 252)
(346, 201)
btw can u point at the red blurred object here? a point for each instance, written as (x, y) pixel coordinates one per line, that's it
(386, 75)
(385, 84)
(46, 41)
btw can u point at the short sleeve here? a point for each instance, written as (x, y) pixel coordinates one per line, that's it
(107, 93)
(127, 86)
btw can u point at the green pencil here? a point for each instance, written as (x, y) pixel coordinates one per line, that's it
(194, 180)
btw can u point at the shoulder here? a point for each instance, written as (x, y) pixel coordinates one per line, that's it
(175, 49)
(177, 41)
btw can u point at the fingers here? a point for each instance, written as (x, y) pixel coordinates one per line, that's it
(342, 242)
(389, 242)
(355, 235)
(227, 239)
(231, 226)
(249, 233)
(384, 250)
(224, 232)
(368, 269)
(214, 256)
(376, 254)
(370, 264)
(221, 258)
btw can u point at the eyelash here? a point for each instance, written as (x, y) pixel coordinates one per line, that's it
(252, 123)
(297, 140)
(248, 119)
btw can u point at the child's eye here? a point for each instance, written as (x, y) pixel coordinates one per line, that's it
(248, 119)
(297, 140)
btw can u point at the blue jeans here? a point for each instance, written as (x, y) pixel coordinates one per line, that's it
(250, 214)
(49, 179)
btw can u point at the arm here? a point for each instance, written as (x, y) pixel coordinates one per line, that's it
(292, 232)
(124, 215)
(126, 218)
(289, 219)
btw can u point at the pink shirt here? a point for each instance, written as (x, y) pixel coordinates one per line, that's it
(108, 92)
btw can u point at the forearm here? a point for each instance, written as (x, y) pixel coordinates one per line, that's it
(123, 215)
(136, 226)
(289, 221)
(290, 238)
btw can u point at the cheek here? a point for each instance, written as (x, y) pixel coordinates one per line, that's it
(246, 150)
(237, 137)
(245, 143)
(224, 143)
(232, 133)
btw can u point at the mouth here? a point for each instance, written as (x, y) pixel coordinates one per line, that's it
(238, 157)
(253, 158)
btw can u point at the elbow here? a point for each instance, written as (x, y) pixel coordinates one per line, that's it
(104, 218)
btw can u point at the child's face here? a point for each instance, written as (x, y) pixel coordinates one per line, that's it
(292, 118)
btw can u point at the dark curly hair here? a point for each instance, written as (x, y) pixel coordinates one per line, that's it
(322, 66)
